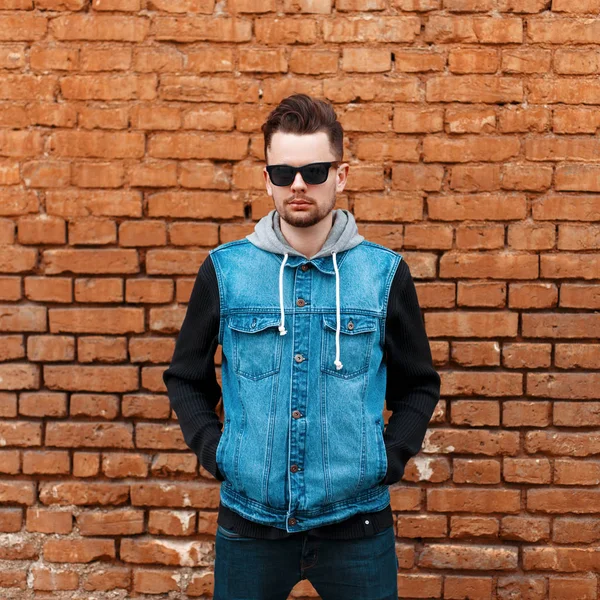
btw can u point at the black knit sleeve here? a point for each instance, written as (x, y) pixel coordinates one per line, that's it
(191, 380)
(413, 384)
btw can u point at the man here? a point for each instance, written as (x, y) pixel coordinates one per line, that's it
(318, 327)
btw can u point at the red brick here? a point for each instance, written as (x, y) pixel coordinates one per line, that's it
(53, 580)
(575, 120)
(146, 406)
(257, 60)
(108, 579)
(90, 261)
(48, 58)
(209, 118)
(19, 144)
(96, 144)
(474, 88)
(204, 175)
(16, 259)
(78, 550)
(41, 230)
(393, 207)
(97, 320)
(8, 400)
(60, 4)
(469, 29)
(382, 29)
(366, 60)
(18, 433)
(198, 145)
(50, 348)
(494, 266)
(52, 115)
(22, 318)
(92, 231)
(154, 581)
(155, 117)
(43, 404)
(10, 288)
(480, 294)
(475, 178)
(93, 379)
(171, 522)
(307, 6)
(105, 59)
(563, 90)
(577, 177)
(94, 405)
(83, 493)
(313, 62)
(193, 234)
(203, 28)
(86, 464)
(110, 435)
(252, 6)
(412, 120)
(142, 233)
(285, 31)
(99, 28)
(101, 349)
(526, 177)
(555, 207)
(531, 236)
(169, 262)
(417, 177)
(41, 520)
(563, 30)
(119, 466)
(26, 27)
(103, 118)
(11, 348)
(470, 148)
(166, 320)
(122, 5)
(46, 174)
(114, 522)
(98, 290)
(514, 120)
(526, 60)
(153, 174)
(158, 60)
(9, 173)
(471, 120)
(46, 463)
(149, 291)
(195, 205)
(98, 175)
(17, 202)
(473, 61)
(109, 87)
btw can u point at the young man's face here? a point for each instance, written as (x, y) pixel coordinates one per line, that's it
(301, 204)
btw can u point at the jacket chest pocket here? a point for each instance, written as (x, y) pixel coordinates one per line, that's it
(256, 345)
(357, 335)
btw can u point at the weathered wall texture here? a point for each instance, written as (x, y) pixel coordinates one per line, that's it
(130, 145)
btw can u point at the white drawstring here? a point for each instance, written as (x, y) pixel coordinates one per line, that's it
(337, 362)
(282, 330)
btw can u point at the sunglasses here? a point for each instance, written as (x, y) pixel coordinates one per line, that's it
(313, 174)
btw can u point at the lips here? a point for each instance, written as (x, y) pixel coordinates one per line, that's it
(300, 203)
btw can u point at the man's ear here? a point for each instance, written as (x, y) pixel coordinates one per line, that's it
(267, 182)
(341, 177)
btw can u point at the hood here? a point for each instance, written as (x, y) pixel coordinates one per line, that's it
(342, 236)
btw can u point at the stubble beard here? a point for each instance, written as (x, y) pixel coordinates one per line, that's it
(308, 216)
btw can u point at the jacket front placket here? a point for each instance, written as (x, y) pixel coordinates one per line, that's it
(300, 330)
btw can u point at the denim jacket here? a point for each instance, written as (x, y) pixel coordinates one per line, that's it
(304, 373)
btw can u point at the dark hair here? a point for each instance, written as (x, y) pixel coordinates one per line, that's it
(302, 114)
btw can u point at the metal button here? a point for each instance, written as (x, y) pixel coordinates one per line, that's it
(298, 358)
(305, 267)
(296, 414)
(292, 521)
(300, 302)
(350, 325)
(294, 468)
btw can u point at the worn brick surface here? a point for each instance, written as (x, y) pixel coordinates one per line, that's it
(130, 145)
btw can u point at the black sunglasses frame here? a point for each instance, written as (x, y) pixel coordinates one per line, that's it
(302, 170)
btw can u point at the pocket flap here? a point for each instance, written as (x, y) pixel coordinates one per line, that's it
(252, 323)
(351, 324)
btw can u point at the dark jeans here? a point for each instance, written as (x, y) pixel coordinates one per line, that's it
(254, 569)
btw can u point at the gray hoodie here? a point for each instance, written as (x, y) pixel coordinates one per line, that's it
(342, 236)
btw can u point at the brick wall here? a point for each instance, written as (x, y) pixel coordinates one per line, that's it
(130, 145)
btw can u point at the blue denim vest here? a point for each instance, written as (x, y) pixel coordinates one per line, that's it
(302, 443)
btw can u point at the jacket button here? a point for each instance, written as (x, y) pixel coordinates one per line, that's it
(350, 325)
(300, 302)
(292, 521)
(294, 468)
(305, 267)
(298, 358)
(296, 414)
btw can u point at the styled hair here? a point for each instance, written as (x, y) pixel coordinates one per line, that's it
(301, 114)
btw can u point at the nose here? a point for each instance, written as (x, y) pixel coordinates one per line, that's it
(298, 183)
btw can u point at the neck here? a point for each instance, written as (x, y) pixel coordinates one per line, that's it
(307, 240)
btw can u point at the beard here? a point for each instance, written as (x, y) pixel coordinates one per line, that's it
(307, 216)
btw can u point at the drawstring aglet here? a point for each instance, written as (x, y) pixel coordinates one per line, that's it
(282, 330)
(338, 364)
